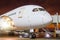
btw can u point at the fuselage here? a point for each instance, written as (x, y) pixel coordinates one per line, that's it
(29, 16)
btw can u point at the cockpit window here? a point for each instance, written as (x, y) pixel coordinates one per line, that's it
(35, 9)
(38, 9)
(41, 9)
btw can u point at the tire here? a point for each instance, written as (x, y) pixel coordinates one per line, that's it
(32, 36)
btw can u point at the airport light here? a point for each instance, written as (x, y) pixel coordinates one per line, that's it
(6, 23)
(47, 35)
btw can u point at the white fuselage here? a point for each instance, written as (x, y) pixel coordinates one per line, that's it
(29, 16)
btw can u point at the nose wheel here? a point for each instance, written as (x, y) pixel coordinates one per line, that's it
(32, 36)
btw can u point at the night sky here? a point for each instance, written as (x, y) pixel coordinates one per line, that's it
(52, 6)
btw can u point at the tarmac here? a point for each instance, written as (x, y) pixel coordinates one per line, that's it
(17, 38)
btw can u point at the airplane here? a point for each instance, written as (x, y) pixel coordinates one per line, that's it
(25, 17)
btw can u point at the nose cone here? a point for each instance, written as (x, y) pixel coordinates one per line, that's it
(46, 17)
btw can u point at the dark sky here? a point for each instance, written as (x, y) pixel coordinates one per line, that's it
(52, 6)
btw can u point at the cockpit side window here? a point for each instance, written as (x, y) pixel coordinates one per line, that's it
(38, 9)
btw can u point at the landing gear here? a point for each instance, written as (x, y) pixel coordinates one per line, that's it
(32, 36)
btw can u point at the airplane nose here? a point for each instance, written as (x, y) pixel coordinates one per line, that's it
(47, 18)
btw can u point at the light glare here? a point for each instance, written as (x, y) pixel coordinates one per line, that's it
(6, 23)
(47, 35)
